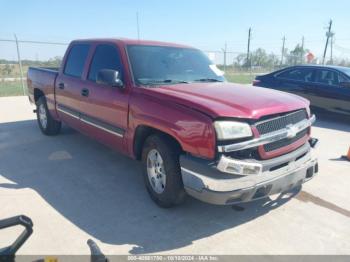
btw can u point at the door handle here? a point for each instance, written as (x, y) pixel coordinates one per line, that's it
(85, 92)
(61, 85)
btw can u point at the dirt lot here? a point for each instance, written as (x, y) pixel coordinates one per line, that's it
(74, 188)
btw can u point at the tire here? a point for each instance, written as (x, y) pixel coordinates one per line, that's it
(173, 192)
(50, 127)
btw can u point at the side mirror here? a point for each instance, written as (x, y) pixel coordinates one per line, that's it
(109, 77)
(345, 84)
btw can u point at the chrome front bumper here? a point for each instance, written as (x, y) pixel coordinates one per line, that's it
(204, 181)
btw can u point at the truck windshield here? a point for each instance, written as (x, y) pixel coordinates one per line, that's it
(155, 65)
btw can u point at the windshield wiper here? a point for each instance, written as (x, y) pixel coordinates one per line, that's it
(165, 81)
(174, 81)
(208, 80)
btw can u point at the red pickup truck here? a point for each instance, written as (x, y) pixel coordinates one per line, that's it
(170, 107)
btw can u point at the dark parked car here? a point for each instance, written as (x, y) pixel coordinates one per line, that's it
(327, 87)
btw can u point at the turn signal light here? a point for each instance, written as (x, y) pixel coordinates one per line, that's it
(237, 167)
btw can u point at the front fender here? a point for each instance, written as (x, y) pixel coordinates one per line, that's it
(192, 129)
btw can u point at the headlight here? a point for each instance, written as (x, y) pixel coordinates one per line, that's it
(227, 130)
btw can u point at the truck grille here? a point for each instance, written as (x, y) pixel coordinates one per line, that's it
(285, 142)
(281, 122)
(274, 124)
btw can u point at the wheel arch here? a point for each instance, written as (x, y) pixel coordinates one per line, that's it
(37, 94)
(142, 132)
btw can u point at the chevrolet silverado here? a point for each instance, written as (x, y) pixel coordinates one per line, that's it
(170, 107)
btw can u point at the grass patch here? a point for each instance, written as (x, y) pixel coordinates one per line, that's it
(240, 78)
(11, 89)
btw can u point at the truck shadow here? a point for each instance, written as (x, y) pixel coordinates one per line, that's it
(334, 122)
(102, 192)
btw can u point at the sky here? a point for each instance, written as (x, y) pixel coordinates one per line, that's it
(205, 24)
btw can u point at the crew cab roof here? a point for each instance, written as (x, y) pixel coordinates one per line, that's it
(127, 41)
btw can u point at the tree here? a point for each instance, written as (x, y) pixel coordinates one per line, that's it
(272, 61)
(56, 61)
(240, 60)
(259, 57)
(296, 56)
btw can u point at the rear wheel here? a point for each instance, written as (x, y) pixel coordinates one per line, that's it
(161, 170)
(47, 124)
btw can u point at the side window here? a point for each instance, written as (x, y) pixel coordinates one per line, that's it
(327, 77)
(343, 78)
(76, 60)
(299, 74)
(105, 57)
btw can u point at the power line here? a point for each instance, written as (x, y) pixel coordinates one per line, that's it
(33, 42)
(341, 49)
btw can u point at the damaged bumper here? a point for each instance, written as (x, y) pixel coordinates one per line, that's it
(205, 180)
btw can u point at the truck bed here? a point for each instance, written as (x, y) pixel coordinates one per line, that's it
(43, 79)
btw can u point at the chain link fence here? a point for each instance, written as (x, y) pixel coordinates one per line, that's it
(14, 67)
(239, 67)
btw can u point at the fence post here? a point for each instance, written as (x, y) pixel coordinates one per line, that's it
(20, 65)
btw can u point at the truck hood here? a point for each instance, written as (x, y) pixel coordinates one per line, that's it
(230, 100)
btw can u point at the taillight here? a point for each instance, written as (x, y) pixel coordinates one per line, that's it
(256, 82)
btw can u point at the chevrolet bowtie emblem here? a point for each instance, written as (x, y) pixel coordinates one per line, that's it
(291, 131)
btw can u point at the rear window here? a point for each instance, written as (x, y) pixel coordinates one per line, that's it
(76, 60)
(327, 77)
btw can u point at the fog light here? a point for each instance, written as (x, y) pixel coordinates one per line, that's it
(237, 167)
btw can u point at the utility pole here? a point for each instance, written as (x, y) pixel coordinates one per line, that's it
(248, 48)
(224, 50)
(283, 45)
(328, 34)
(332, 42)
(302, 49)
(20, 65)
(138, 25)
(225, 55)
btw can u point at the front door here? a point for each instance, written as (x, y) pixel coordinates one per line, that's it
(104, 110)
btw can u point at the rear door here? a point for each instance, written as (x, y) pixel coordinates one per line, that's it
(296, 80)
(104, 111)
(327, 94)
(69, 84)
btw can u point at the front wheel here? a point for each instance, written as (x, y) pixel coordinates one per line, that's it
(161, 170)
(47, 124)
